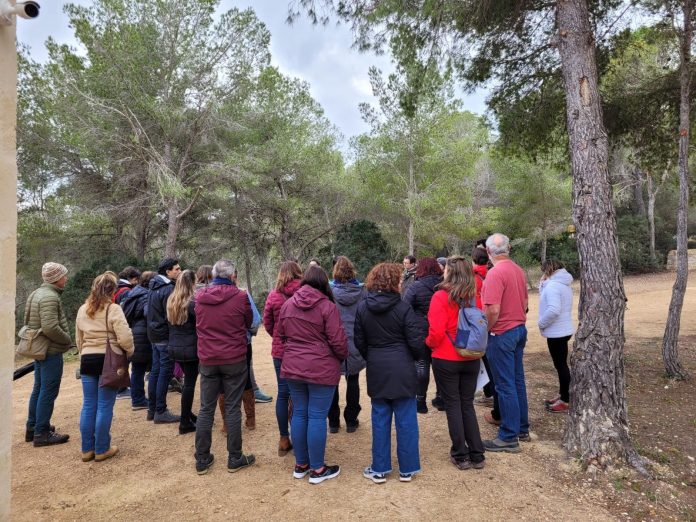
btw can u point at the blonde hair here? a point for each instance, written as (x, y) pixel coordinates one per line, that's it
(177, 304)
(102, 292)
(459, 282)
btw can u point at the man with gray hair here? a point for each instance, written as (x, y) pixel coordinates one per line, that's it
(223, 317)
(504, 297)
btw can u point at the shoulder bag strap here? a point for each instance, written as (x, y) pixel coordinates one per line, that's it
(27, 316)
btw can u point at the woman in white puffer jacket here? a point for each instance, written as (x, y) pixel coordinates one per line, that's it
(556, 324)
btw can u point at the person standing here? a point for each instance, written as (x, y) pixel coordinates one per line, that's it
(98, 319)
(455, 375)
(161, 286)
(390, 337)
(409, 275)
(287, 283)
(556, 324)
(44, 310)
(314, 345)
(504, 297)
(223, 319)
(347, 292)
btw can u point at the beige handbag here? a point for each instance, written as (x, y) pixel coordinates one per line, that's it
(32, 343)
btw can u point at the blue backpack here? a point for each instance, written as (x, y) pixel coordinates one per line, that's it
(472, 332)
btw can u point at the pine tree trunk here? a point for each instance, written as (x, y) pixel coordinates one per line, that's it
(638, 201)
(670, 341)
(173, 223)
(247, 269)
(652, 196)
(544, 246)
(597, 427)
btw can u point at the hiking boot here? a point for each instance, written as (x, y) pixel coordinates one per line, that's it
(406, 477)
(29, 434)
(462, 464)
(140, 406)
(438, 403)
(166, 417)
(284, 446)
(188, 427)
(558, 407)
(350, 428)
(501, 445)
(104, 456)
(377, 478)
(150, 415)
(317, 476)
(421, 406)
(243, 462)
(261, 397)
(301, 471)
(549, 402)
(87, 456)
(478, 465)
(202, 466)
(488, 417)
(334, 428)
(49, 439)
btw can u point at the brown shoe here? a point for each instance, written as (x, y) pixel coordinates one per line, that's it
(87, 456)
(461, 464)
(284, 446)
(113, 450)
(249, 409)
(490, 420)
(221, 405)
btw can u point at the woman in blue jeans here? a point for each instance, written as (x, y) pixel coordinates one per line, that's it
(390, 337)
(314, 345)
(98, 319)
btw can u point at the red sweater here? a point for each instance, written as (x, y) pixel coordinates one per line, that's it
(442, 320)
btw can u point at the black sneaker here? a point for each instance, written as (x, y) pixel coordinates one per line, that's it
(49, 439)
(421, 406)
(150, 415)
(350, 428)
(29, 434)
(188, 427)
(243, 462)
(202, 467)
(438, 403)
(325, 473)
(166, 417)
(334, 429)
(300, 471)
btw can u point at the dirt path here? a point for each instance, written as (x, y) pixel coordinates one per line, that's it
(154, 477)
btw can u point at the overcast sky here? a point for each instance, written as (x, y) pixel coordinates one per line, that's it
(321, 55)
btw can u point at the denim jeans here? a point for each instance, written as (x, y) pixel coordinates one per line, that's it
(352, 409)
(97, 413)
(282, 406)
(47, 376)
(190, 369)
(160, 376)
(138, 383)
(405, 417)
(504, 353)
(311, 403)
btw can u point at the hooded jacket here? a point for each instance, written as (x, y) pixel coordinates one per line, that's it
(442, 328)
(389, 335)
(480, 272)
(556, 305)
(183, 341)
(124, 286)
(157, 326)
(223, 317)
(314, 341)
(271, 312)
(347, 296)
(134, 305)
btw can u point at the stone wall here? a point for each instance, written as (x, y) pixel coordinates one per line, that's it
(672, 260)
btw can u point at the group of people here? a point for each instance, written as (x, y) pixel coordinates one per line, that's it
(397, 325)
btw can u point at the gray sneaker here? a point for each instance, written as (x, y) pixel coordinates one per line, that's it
(500, 445)
(167, 417)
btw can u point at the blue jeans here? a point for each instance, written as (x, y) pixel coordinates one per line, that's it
(311, 403)
(404, 413)
(504, 355)
(160, 375)
(97, 413)
(282, 401)
(138, 383)
(47, 376)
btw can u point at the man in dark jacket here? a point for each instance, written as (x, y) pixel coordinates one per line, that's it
(161, 286)
(223, 317)
(45, 311)
(409, 275)
(127, 279)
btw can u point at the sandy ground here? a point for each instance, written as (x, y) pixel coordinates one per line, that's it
(154, 477)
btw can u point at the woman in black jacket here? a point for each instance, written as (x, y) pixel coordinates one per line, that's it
(418, 295)
(183, 343)
(390, 337)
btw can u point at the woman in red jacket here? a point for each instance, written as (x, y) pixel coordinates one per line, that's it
(455, 375)
(314, 344)
(287, 284)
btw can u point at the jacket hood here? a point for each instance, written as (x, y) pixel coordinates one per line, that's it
(307, 297)
(137, 291)
(216, 294)
(431, 281)
(561, 276)
(382, 302)
(291, 287)
(157, 282)
(481, 270)
(347, 294)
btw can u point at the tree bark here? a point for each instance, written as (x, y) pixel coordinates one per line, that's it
(652, 196)
(544, 245)
(597, 427)
(670, 341)
(173, 222)
(411, 196)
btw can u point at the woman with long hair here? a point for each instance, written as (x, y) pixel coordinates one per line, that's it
(287, 283)
(314, 345)
(98, 319)
(390, 336)
(456, 376)
(204, 275)
(181, 316)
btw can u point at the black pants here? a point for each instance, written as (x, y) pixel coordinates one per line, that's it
(423, 375)
(190, 369)
(250, 381)
(558, 348)
(456, 382)
(350, 414)
(489, 390)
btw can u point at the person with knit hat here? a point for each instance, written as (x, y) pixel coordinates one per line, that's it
(44, 310)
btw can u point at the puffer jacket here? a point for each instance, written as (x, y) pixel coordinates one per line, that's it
(134, 305)
(44, 310)
(157, 325)
(556, 305)
(347, 296)
(183, 341)
(271, 313)
(314, 341)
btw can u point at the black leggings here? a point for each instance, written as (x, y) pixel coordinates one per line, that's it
(190, 369)
(558, 348)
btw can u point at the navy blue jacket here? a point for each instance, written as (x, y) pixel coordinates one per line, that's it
(134, 305)
(157, 325)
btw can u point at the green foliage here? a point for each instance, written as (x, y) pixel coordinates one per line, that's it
(634, 245)
(361, 242)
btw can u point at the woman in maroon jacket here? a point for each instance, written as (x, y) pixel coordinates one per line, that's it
(287, 284)
(314, 344)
